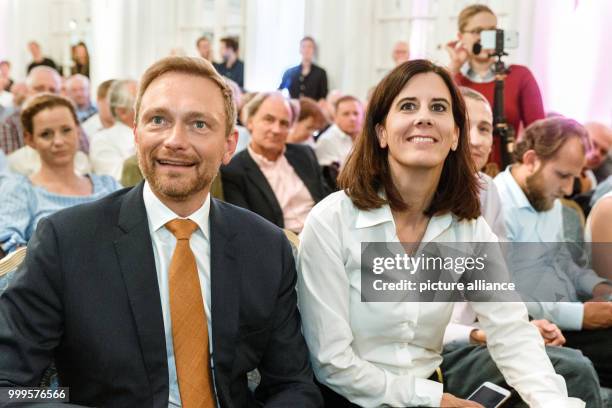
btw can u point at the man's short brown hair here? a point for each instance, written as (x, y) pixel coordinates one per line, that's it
(189, 66)
(547, 136)
(346, 98)
(230, 42)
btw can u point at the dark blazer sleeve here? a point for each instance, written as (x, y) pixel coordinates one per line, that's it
(286, 374)
(31, 316)
(325, 188)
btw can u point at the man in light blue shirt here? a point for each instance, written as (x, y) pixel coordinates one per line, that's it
(550, 155)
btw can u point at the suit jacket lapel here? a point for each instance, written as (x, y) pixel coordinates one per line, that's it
(135, 254)
(298, 161)
(259, 180)
(225, 295)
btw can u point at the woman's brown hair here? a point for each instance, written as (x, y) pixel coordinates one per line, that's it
(367, 172)
(41, 102)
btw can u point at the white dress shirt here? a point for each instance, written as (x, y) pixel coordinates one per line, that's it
(377, 353)
(92, 125)
(490, 205)
(164, 243)
(554, 272)
(109, 148)
(333, 146)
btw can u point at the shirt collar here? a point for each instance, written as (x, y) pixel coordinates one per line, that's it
(341, 132)
(470, 74)
(261, 160)
(516, 192)
(369, 218)
(158, 214)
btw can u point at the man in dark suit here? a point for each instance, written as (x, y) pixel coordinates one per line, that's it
(279, 181)
(158, 296)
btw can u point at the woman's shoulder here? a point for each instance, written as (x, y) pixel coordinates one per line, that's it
(334, 203)
(521, 71)
(104, 183)
(14, 182)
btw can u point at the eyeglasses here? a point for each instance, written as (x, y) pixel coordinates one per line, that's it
(478, 30)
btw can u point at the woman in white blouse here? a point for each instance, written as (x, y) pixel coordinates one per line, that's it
(409, 179)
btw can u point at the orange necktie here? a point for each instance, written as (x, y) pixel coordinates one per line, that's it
(189, 325)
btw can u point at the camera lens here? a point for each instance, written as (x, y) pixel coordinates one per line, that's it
(477, 48)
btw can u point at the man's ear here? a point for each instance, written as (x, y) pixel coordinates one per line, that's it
(381, 135)
(230, 146)
(531, 161)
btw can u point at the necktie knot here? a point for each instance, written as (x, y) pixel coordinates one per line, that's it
(181, 228)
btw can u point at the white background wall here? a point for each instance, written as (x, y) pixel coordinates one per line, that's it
(562, 41)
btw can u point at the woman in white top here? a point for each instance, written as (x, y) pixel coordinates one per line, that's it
(409, 179)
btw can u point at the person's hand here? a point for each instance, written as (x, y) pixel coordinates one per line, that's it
(449, 400)
(550, 332)
(478, 336)
(601, 291)
(458, 55)
(597, 315)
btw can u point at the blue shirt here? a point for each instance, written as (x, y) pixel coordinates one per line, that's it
(551, 272)
(24, 204)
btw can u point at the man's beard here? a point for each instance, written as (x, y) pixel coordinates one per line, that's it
(177, 188)
(534, 191)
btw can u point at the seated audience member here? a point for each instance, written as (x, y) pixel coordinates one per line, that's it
(550, 155)
(598, 231)
(465, 345)
(5, 73)
(307, 79)
(480, 119)
(157, 268)
(111, 147)
(40, 79)
(463, 339)
(334, 145)
(244, 136)
(231, 67)
(400, 52)
(310, 121)
(103, 119)
(51, 128)
(279, 181)
(410, 179)
(38, 59)
(476, 70)
(601, 141)
(77, 89)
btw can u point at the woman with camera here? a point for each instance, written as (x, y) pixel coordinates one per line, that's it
(474, 68)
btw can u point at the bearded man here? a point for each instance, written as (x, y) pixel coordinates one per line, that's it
(550, 155)
(158, 296)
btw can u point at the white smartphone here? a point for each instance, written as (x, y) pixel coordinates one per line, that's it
(490, 395)
(489, 38)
